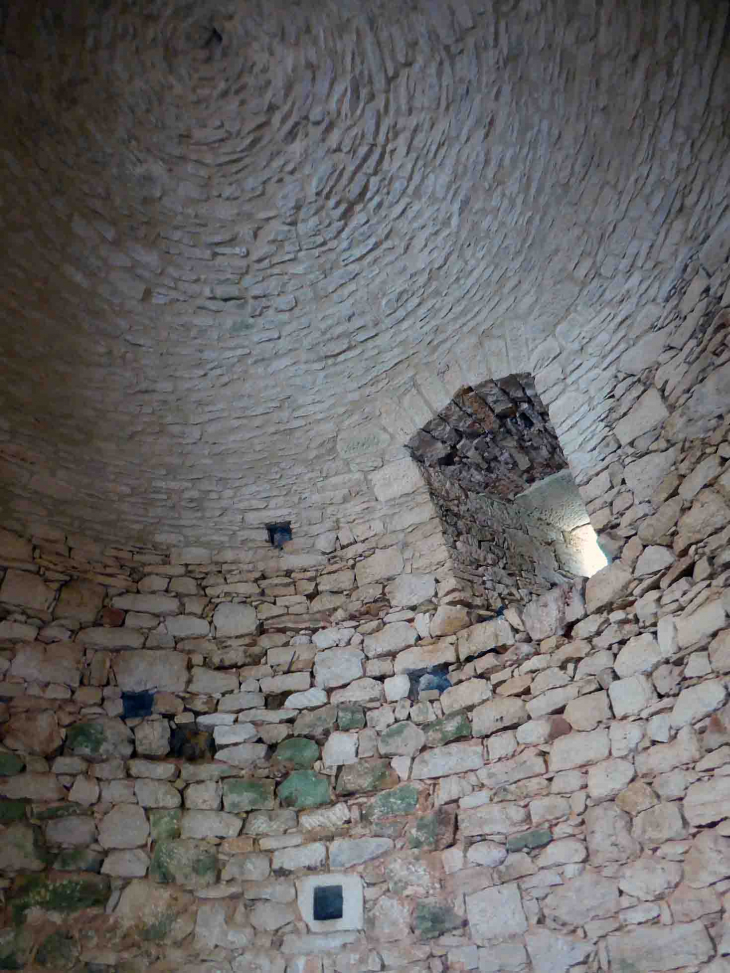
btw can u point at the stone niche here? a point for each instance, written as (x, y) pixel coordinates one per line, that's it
(510, 509)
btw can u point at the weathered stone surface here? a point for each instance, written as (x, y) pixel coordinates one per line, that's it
(99, 739)
(701, 624)
(360, 691)
(387, 563)
(424, 656)
(401, 739)
(529, 763)
(304, 789)
(720, 652)
(59, 663)
(309, 699)
(248, 795)
(455, 758)
(158, 669)
(210, 824)
(696, 702)
(80, 600)
(500, 818)
(607, 586)
(131, 863)
(707, 801)
(33, 786)
(641, 654)
(664, 757)
(630, 696)
(660, 823)
(586, 712)
(708, 860)
(448, 620)
(660, 947)
(484, 636)
(304, 856)
(325, 819)
(545, 616)
(296, 753)
(125, 826)
(649, 878)
(588, 896)
(338, 667)
(390, 639)
(433, 918)
(156, 793)
(366, 775)
(652, 560)
(708, 513)
(688, 904)
(232, 620)
(152, 738)
(644, 475)
(345, 852)
(410, 590)
(608, 835)
(26, 590)
(21, 849)
(609, 778)
(465, 695)
(649, 411)
(552, 952)
(577, 749)
(401, 800)
(184, 861)
(495, 914)
(34, 733)
(74, 830)
(242, 754)
(67, 892)
(498, 714)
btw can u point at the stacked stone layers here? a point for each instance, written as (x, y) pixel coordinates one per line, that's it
(561, 805)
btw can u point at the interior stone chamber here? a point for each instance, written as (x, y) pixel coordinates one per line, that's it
(364, 487)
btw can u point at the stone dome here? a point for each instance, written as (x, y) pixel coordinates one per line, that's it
(251, 247)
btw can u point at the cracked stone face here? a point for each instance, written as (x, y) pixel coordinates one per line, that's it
(252, 247)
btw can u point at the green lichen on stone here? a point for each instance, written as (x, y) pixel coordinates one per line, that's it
(434, 831)
(13, 949)
(58, 893)
(253, 794)
(529, 840)
(402, 800)
(55, 811)
(158, 930)
(433, 918)
(447, 729)
(164, 823)
(366, 775)
(304, 789)
(186, 862)
(10, 764)
(85, 739)
(297, 752)
(350, 717)
(58, 952)
(12, 811)
(78, 860)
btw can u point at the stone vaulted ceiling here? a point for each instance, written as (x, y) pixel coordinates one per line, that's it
(250, 246)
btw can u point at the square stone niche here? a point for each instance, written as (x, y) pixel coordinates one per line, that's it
(330, 903)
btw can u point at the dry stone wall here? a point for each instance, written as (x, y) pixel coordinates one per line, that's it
(190, 742)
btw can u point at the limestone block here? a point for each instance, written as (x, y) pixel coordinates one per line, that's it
(493, 819)
(687, 903)
(641, 654)
(708, 859)
(14, 548)
(34, 733)
(324, 819)
(155, 604)
(644, 475)
(204, 796)
(652, 560)
(238, 733)
(410, 590)
(232, 620)
(112, 638)
(309, 699)
(454, 758)
(587, 712)
(696, 702)
(130, 863)
(184, 861)
(242, 754)
(649, 878)
(384, 564)
(21, 849)
(551, 952)
(26, 590)
(59, 662)
(391, 918)
(637, 797)
(607, 585)
(647, 412)
(209, 824)
(346, 852)
(578, 749)
(80, 600)
(564, 851)
(529, 763)
(707, 801)
(337, 581)
(484, 636)
(701, 624)
(608, 835)
(630, 696)
(495, 914)
(657, 529)
(720, 652)
(588, 896)
(338, 667)
(708, 513)
(125, 826)
(660, 823)
(304, 856)
(77, 830)
(285, 683)
(85, 791)
(398, 687)
(660, 948)
(364, 690)
(152, 738)
(240, 794)
(187, 626)
(552, 701)
(390, 639)
(663, 757)
(156, 793)
(609, 778)
(448, 620)
(97, 740)
(32, 786)
(425, 656)
(401, 739)
(247, 868)
(211, 681)
(465, 694)
(340, 748)
(545, 616)
(498, 714)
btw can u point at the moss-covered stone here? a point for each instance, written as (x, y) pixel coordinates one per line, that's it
(433, 918)
(529, 840)
(79, 860)
(299, 753)
(366, 775)
(402, 800)
(435, 831)
(350, 718)
(447, 729)
(252, 794)
(22, 849)
(10, 764)
(15, 945)
(12, 811)
(304, 789)
(192, 864)
(99, 739)
(68, 809)
(164, 822)
(58, 952)
(58, 892)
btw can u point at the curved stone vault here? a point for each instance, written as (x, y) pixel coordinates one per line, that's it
(251, 247)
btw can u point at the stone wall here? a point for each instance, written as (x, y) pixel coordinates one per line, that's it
(488, 446)
(189, 740)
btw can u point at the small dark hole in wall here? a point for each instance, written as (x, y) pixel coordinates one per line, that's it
(279, 534)
(192, 744)
(137, 704)
(214, 38)
(327, 902)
